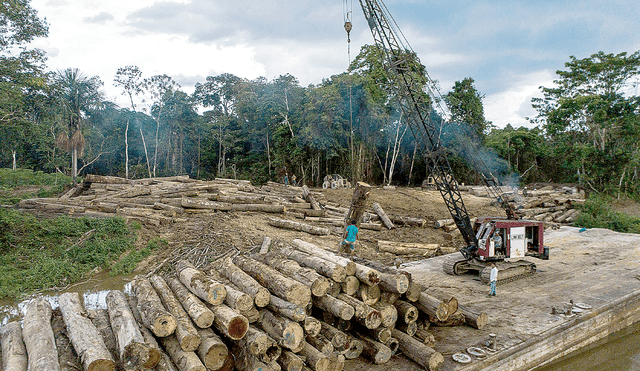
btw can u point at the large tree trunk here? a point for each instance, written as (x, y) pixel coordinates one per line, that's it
(374, 350)
(383, 216)
(185, 361)
(310, 199)
(358, 203)
(389, 314)
(367, 275)
(200, 284)
(318, 284)
(415, 350)
(229, 322)
(83, 335)
(350, 286)
(287, 309)
(434, 307)
(287, 333)
(212, 351)
(406, 311)
(311, 249)
(100, 319)
(199, 313)
(369, 294)
(14, 353)
(289, 224)
(277, 283)
(366, 315)
(290, 361)
(131, 345)
(186, 332)
(326, 268)
(261, 296)
(335, 306)
(153, 314)
(155, 353)
(315, 358)
(38, 337)
(473, 318)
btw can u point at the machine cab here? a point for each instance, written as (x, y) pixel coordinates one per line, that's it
(500, 239)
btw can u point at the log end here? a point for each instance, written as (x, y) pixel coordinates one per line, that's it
(402, 283)
(205, 319)
(347, 312)
(190, 342)
(322, 364)
(383, 356)
(350, 268)
(299, 295)
(238, 327)
(373, 320)
(102, 365)
(155, 355)
(435, 361)
(481, 321)
(293, 336)
(215, 357)
(217, 294)
(164, 325)
(320, 287)
(339, 274)
(262, 298)
(135, 355)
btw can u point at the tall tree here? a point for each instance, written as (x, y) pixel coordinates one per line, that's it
(129, 78)
(465, 103)
(77, 96)
(159, 87)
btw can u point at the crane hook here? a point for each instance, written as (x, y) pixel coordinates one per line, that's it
(347, 27)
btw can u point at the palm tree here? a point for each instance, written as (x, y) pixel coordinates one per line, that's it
(77, 95)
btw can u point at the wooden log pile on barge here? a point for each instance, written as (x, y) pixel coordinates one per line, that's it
(290, 308)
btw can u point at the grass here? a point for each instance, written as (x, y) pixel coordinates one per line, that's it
(23, 183)
(129, 262)
(597, 213)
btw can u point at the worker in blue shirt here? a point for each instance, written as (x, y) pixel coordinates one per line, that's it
(349, 238)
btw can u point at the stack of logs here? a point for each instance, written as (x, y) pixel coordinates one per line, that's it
(297, 307)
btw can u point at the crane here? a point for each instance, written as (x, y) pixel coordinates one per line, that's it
(489, 239)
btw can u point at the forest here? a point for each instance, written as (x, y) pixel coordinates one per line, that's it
(586, 131)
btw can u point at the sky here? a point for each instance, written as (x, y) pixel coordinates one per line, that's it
(510, 48)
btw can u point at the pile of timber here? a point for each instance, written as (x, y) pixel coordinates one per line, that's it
(155, 201)
(293, 308)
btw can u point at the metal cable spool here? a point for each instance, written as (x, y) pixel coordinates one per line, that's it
(461, 358)
(476, 352)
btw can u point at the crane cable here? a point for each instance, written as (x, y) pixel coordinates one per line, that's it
(347, 7)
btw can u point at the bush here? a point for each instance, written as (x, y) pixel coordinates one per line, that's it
(596, 213)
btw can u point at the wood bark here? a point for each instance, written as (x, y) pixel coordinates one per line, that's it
(408, 328)
(474, 319)
(185, 361)
(315, 358)
(414, 291)
(383, 216)
(238, 300)
(426, 337)
(14, 352)
(339, 339)
(358, 203)
(134, 352)
(84, 336)
(287, 309)
(324, 267)
(367, 275)
(364, 314)
(252, 314)
(388, 297)
(311, 326)
(100, 319)
(434, 307)
(153, 314)
(185, 332)
(287, 333)
(199, 313)
(290, 361)
(155, 353)
(410, 221)
(212, 351)
(321, 343)
(297, 226)
(259, 343)
(397, 283)
(388, 312)
(229, 322)
(200, 284)
(335, 306)
(277, 283)
(318, 284)
(38, 337)
(405, 248)
(261, 296)
(311, 249)
(374, 350)
(454, 319)
(415, 350)
(310, 199)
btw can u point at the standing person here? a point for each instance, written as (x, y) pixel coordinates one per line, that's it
(493, 278)
(293, 180)
(286, 179)
(349, 237)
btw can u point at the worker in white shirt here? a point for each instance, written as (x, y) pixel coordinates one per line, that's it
(493, 278)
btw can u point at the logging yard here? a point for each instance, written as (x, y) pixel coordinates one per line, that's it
(252, 278)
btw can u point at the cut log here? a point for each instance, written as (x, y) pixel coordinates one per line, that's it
(392, 344)
(165, 364)
(434, 307)
(426, 337)
(153, 314)
(185, 361)
(397, 283)
(414, 291)
(321, 343)
(383, 216)
(318, 284)
(364, 314)
(454, 319)
(266, 243)
(257, 342)
(287, 309)
(229, 322)
(287, 333)
(388, 297)
(261, 296)
(14, 353)
(297, 226)
(252, 314)
(339, 339)
(442, 222)
(367, 275)
(415, 350)
(388, 312)
(334, 306)
(404, 220)
(374, 350)
(473, 318)
(311, 249)
(38, 337)
(311, 326)
(200, 284)
(277, 283)
(356, 346)
(100, 319)
(310, 199)
(238, 300)
(358, 203)
(324, 267)
(105, 179)
(369, 294)
(336, 287)
(404, 248)
(408, 328)
(155, 353)
(199, 313)
(406, 311)
(351, 285)
(134, 353)
(290, 361)
(186, 332)
(315, 358)
(84, 336)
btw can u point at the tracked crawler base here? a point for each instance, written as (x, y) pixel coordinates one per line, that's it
(456, 265)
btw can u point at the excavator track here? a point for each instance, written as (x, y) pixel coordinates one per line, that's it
(509, 271)
(455, 265)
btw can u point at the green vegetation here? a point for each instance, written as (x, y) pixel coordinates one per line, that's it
(129, 262)
(40, 253)
(24, 183)
(596, 213)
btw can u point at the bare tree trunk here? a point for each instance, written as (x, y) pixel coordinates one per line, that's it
(146, 155)
(74, 165)
(413, 159)
(396, 150)
(13, 153)
(126, 150)
(155, 155)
